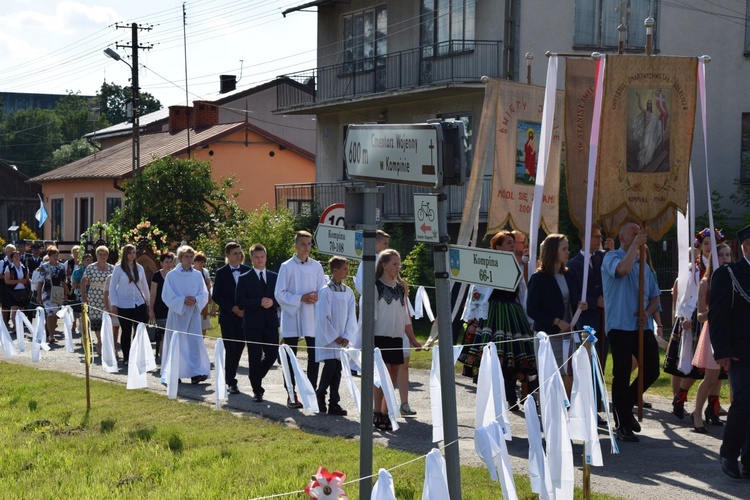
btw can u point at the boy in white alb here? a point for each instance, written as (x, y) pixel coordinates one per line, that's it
(336, 322)
(297, 287)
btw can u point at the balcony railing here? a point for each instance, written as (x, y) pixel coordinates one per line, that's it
(397, 203)
(452, 62)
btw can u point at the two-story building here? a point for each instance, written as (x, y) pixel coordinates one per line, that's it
(414, 60)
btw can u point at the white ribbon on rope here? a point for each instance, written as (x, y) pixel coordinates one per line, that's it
(108, 355)
(306, 391)
(382, 379)
(583, 417)
(20, 320)
(140, 359)
(422, 305)
(489, 443)
(538, 465)
(436, 400)
(65, 313)
(435, 477)
(8, 348)
(219, 360)
(355, 355)
(38, 335)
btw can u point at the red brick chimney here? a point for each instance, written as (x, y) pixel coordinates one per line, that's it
(178, 118)
(205, 114)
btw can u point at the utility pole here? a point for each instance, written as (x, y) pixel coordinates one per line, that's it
(135, 93)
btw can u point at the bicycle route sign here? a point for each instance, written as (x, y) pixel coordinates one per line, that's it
(425, 218)
(484, 267)
(404, 154)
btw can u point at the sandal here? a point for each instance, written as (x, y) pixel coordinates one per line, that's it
(380, 422)
(406, 410)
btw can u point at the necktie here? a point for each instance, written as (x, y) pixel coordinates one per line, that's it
(262, 281)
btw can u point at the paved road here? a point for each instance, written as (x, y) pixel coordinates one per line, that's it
(669, 462)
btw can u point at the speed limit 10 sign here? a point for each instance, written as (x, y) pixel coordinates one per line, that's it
(333, 215)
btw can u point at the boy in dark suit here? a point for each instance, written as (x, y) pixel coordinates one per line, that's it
(728, 317)
(255, 295)
(230, 313)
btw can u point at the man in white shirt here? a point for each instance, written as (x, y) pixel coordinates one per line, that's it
(296, 291)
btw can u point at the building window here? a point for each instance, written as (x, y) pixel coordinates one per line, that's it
(84, 215)
(747, 29)
(365, 39)
(745, 152)
(56, 218)
(447, 26)
(112, 205)
(596, 23)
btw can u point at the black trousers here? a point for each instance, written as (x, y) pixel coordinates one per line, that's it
(624, 346)
(261, 355)
(312, 365)
(330, 379)
(128, 319)
(234, 344)
(736, 443)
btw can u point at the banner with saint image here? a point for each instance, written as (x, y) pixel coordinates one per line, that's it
(515, 167)
(648, 115)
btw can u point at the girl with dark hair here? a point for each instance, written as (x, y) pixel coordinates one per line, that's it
(553, 296)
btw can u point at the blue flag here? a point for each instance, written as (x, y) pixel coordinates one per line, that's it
(41, 214)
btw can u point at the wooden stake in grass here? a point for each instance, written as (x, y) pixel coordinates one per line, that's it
(85, 338)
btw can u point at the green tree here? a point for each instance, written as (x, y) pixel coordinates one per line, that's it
(28, 138)
(113, 102)
(179, 196)
(78, 116)
(68, 153)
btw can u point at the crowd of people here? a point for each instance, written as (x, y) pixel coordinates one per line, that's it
(258, 307)
(548, 302)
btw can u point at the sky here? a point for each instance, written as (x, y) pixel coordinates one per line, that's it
(56, 47)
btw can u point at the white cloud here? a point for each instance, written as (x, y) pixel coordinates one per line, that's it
(68, 18)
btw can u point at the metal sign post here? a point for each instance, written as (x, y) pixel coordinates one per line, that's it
(445, 337)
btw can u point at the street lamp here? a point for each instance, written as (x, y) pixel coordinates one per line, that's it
(135, 98)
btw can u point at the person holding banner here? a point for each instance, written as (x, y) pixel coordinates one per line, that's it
(553, 294)
(729, 317)
(620, 270)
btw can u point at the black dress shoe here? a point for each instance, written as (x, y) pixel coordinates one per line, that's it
(730, 468)
(233, 389)
(336, 409)
(258, 397)
(634, 424)
(198, 379)
(626, 434)
(648, 406)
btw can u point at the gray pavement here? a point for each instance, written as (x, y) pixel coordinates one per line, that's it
(669, 462)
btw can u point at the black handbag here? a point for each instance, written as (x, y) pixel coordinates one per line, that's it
(21, 295)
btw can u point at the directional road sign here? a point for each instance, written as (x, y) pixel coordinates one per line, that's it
(406, 154)
(484, 267)
(425, 218)
(335, 240)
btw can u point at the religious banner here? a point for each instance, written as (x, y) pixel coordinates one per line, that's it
(518, 118)
(580, 78)
(648, 114)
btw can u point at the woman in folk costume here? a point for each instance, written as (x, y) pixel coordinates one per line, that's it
(679, 354)
(497, 316)
(186, 295)
(704, 354)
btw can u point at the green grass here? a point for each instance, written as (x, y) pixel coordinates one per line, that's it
(140, 444)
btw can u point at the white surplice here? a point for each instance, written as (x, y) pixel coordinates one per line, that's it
(295, 280)
(335, 316)
(185, 321)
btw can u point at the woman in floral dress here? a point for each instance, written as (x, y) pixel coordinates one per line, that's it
(93, 286)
